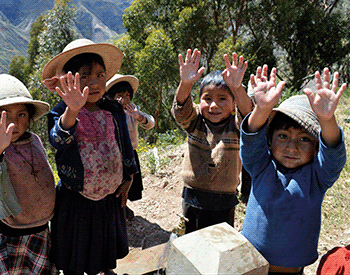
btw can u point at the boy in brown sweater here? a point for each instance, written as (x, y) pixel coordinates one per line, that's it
(211, 166)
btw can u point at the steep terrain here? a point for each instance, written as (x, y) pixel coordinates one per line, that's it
(96, 20)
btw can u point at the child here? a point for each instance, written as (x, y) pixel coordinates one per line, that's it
(122, 89)
(292, 166)
(27, 186)
(94, 159)
(211, 166)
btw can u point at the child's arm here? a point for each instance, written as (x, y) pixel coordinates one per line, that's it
(266, 97)
(233, 76)
(74, 98)
(5, 132)
(145, 120)
(189, 74)
(324, 103)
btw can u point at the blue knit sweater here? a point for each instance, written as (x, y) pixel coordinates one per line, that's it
(283, 216)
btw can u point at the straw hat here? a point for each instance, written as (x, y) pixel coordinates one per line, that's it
(111, 55)
(299, 109)
(13, 91)
(134, 82)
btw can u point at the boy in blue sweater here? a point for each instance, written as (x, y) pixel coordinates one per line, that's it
(292, 160)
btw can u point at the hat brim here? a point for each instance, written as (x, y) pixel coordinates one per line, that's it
(41, 108)
(134, 82)
(111, 55)
(303, 119)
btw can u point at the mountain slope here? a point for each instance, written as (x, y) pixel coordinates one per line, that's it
(12, 42)
(97, 20)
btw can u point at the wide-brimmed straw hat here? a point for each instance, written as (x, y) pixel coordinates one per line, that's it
(299, 109)
(111, 55)
(133, 81)
(13, 91)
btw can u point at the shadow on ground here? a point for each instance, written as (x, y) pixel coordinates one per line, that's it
(144, 234)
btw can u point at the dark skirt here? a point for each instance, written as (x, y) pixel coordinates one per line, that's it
(87, 236)
(135, 192)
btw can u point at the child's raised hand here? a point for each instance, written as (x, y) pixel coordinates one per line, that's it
(51, 83)
(266, 93)
(133, 111)
(189, 72)
(5, 132)
(325, 100)
(233, 74)
(71, 94)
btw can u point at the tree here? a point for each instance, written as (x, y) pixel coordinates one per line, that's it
(20, 69)
(312, 33)
(188, 23)
(58, 31)
(157, 71)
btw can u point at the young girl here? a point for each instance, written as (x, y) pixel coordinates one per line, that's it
(94, 159)
(27, 187)
(293, 161)
(122, 89)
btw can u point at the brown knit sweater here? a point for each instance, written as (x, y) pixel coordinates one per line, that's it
(211, 161)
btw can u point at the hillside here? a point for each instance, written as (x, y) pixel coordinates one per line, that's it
(12, 42)
(96, 20)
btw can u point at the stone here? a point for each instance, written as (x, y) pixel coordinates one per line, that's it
(142, 261)
(217, 249)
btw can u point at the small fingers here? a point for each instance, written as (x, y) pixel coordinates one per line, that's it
(265, 71)
(335, 82)
(252, 81)
(227, 61)
(10, 129)
(181, 60)
(341, 91)
(70, 80)
(234, 59)
(326, 78)
(188, 56)
(258, 72)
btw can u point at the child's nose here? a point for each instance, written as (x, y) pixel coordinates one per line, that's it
(292, 144)
(213, 104)
(93, 81)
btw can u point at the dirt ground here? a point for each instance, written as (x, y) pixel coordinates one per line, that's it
(156, 214)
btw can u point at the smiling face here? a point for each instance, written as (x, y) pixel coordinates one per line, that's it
(94, 77)
(19, 116)
(216, 103)
(293, 147)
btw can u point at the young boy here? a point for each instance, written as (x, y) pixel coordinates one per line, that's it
(211, 166)
(291, 166)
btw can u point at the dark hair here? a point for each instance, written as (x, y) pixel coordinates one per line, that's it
(120, 87)
(281, 121)
(75, 63)
(214, 78)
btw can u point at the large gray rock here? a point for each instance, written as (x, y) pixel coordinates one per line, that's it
(218, 249)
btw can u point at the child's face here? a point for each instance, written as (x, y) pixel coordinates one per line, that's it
(123, 98)
(293, 148)
(19, 116)
(95, 78)
(216, 103)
